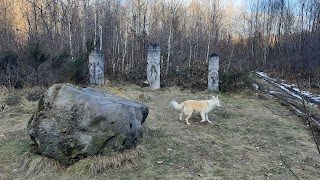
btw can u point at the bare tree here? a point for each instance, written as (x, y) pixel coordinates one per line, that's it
(84, 25)
(277, 35)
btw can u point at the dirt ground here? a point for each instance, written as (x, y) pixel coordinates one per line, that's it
(250, 137)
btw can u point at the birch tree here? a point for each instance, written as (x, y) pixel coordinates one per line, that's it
(84, 25)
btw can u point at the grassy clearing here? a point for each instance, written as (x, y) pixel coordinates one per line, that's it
(249, 138)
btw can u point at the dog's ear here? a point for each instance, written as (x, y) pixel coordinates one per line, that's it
(213, 97)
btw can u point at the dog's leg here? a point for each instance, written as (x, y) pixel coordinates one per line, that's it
(207, 118)
(180, 115)
(188, 114)
(203, 117)
(187, 119)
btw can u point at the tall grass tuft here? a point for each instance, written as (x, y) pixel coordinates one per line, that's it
(15, 100)
(32, 165)
(99, 164)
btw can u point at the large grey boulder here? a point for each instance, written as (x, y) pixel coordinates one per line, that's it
(72, 123)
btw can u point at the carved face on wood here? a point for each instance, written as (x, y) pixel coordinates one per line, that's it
(153, 73)
(96, 71)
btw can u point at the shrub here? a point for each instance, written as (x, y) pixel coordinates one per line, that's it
(15, 100)
(234, 81)
(136, 74)
(77, 70)
(8, 58)
(37, 55)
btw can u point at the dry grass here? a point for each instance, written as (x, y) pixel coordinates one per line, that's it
(100, 164)
(244, 141)
(32, 165)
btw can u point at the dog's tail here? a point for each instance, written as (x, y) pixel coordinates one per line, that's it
(176, 105)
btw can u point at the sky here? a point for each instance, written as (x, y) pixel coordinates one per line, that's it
(239, 2)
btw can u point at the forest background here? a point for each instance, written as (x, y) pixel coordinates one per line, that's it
(48, 41)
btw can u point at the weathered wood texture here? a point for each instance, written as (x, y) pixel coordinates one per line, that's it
(153, 67)
(96, 67)
(213, 73)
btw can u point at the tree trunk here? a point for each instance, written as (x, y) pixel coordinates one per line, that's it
(125, 47)
(169, 47)
(70, 39)
(84, 27)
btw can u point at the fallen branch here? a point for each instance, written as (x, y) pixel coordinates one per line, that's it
(290, 114)
(288, 167)
(315, 138)
(295, 105)
(285, 95)
(310, 125)
(298, 103)
(294, 93)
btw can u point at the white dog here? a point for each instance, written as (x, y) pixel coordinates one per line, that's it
(204, 107)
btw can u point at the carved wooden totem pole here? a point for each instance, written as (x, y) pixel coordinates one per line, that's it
(96, 67)
(153, 67)
(213, 73)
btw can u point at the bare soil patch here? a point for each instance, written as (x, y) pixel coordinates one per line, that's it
(249, 138)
